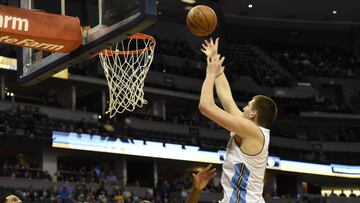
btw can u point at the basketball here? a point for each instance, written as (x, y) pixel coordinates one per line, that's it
(201, 20)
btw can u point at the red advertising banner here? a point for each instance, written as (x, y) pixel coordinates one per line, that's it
(39, 30)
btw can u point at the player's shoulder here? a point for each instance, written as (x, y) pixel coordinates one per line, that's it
(247, 128)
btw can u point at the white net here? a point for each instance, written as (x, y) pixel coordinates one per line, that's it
(125, 69)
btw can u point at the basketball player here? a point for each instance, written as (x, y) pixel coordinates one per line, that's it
(247, 150)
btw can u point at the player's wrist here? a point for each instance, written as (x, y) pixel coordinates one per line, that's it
(213, 55)
(211, 75)
(196, 190)
(218, 75)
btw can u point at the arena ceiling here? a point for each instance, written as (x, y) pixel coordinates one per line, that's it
(308, 10)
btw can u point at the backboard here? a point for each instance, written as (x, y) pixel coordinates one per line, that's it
(110, 22)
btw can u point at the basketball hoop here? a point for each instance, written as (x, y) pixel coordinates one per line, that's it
(125, 69)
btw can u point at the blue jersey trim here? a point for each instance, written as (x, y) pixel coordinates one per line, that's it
(239, 183)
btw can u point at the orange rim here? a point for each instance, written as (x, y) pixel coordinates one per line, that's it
(137, 36)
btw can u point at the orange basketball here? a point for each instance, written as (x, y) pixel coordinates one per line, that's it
(201, 20)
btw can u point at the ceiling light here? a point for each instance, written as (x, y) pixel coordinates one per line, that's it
(189, 1)
(334, 12)
(250, 5)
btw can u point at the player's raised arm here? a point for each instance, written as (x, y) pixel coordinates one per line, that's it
(223, 91)
(207, 106)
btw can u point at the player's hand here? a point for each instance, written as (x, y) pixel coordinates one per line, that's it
(214, 65)
(210, 48)
(201, 179)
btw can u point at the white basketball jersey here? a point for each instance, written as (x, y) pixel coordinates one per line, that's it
(243, 175)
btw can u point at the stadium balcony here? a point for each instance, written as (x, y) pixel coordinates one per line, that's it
(305, 61)
(192, 129)
(244, 60)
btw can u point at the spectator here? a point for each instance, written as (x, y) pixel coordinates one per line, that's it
(118, 197)
(111, 178)
(101, 191)
(148, 195)
(46, 176)
(165, 190)
(70, 199)
(64, 191)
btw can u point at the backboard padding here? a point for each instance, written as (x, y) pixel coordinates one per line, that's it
(137, 18)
